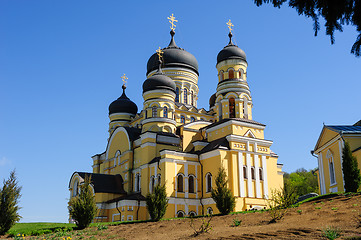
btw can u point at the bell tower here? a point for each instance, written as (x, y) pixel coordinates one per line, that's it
(233, 97)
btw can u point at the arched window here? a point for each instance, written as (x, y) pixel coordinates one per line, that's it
(231, 74)
(191, 184)
(245, 172)
(152, 183)
(145, 114)
(192, 100)
(192, 119)
(159, 179)
(117, 158)
(137, 182)
(331, 167)
(209, 211)
(185, 95)
(165, 112)
(180, 183)
(232, 112)
(253, 175)
(180, 214)
(192, 214)
(177, 94)
(154, 111)
(221, 76)
(183, 119)
(75, 187)
(240, 73)
(209, 182)
(202, 119)
(260, 170)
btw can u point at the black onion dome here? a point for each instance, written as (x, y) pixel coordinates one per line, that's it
(231, 51)
(173, 56)
(159, 81)
(123, 105)
(212, 100)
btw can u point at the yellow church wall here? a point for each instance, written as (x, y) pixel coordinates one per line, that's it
(327, 136)
(353, 141)
(274, 175)
(334, 148)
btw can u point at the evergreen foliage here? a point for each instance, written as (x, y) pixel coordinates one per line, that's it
(351, 172)
(302, 181)
(9, 199)
(335, 13)
(157, 202)
(82, 207)
(222, 195)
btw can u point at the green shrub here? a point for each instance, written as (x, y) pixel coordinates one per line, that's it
(236, 222)
(9, 199)
(157, 202)
(222, 195)
(82, 208)
(331, 233)
(351, 172)
(279, 202)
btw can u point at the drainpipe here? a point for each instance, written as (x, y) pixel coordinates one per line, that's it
(138, 209)
(200, 200)
(120, 214)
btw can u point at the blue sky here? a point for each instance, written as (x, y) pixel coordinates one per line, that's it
(61, 63)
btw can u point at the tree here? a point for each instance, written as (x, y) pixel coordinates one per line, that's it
(82, 207)
(9, 199)
(279, 202)
(157, 202)
(302, 180)
(222, 195)
(335, 13)
(351, 172)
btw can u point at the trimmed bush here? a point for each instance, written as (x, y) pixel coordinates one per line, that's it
(222, 195)
(82, 208)
(157, 202)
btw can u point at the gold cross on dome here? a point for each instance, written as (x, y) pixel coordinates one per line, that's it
(171, 21)
(230, 25)
(160, 53)
(124, 79)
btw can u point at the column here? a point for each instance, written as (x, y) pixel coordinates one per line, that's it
(265, 179)
(249, 179)
(258, 183)
(240, 175)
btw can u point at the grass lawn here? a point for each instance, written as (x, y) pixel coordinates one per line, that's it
(39, 228)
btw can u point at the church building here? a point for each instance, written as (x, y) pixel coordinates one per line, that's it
(328, 151)
(171, 141)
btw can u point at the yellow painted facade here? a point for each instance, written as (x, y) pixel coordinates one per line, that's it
(173, 142)
(328, 151)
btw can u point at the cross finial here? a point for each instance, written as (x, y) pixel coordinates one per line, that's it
(160, 54)
(230, 25)
(124, 79)
(171, 21)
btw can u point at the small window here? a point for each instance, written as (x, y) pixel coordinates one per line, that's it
(154, 111)
(192, 98)
(231, 74)
(183, 119)
(177, 94)
(232, 112)
(180, 214)
(165, 112)
(260, 174)
(209, 211)
(192, 214)
(245, 172)
(159, 179)
(253, 175)
(202, 119)
(137, 182)
(180, 183)
(75, 188)
(209, 182)
(185, 95)
(193, 119)
(191, 184)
